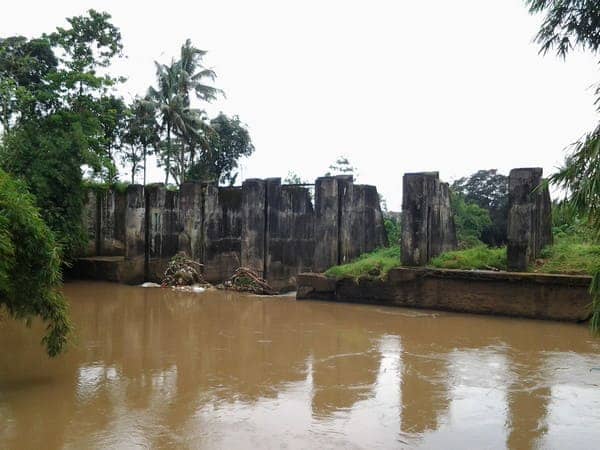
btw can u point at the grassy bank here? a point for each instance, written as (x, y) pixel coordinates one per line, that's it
(476, 258)
(571, 254)
(375, 264)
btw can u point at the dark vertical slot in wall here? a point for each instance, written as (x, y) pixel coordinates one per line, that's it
(98, 224)
(428, 234)
(202, 254)
(340, 198)
(266, 232)
(146, 234)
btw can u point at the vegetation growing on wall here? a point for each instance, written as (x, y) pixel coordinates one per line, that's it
(374, 265)
(476, 258)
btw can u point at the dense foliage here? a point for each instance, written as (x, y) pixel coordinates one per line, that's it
(489, 190)
(470, 219)
(227, 143)
(58, 116)
(183, 127)
(569, 24)
(30, 265)
(393, 229)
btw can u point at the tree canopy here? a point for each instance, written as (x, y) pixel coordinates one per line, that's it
(567, 25)
(228, 141)
(59, 116)
(487, 189)
(471, 220)
(30, 274)
(183, 126)
(342, 166)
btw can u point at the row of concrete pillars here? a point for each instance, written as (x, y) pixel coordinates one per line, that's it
(428, 223)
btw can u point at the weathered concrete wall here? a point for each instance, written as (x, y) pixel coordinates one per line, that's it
(427, 221)
(535, 296)
(362, 228)
(529, 217)
(191, 218)
(112, 223)
(222, 231)
(327, 218)
(254, 224)
(163, 223)
(135, 222)
(91, 224)
(270, 227)
(348, 221)
(290, 239)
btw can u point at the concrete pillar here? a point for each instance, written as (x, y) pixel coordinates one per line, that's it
(362, 228)
(427, 222)
(253, 224)
(222, 231)
(91, 223)
(135, 221)
(529, 217)
(327, 222)
(163, 223)
(191, 219)
(112, 223)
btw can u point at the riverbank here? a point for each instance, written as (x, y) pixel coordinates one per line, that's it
(528, 295)
(570, 255)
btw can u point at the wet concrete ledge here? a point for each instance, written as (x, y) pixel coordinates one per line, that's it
(529, 295)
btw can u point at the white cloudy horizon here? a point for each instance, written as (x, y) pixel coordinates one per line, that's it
(396, 86)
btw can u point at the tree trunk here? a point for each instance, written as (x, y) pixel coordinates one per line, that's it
(182, 164)
(145, 146)
(168, 154)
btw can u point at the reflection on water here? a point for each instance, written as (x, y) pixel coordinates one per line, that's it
(155, 368)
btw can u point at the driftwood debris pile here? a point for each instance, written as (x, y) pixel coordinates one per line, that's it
(183, 271)
(247, 280)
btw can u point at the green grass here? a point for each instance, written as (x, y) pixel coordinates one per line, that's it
(480, 257)
(373, 265)
(569, 255)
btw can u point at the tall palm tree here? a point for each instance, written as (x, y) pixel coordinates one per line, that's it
(169, 105)
(193, 73)
(172, 100)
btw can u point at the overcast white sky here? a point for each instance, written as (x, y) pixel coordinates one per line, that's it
(397, 86)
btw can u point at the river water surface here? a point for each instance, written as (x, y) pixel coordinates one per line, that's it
(154, 368)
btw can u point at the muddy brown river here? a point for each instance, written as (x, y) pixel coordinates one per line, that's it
(154, 368)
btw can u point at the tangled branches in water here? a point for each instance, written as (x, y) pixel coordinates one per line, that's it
(245, 279)
(183, 271)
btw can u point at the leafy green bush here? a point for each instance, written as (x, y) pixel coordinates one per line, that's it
(571, 254)
(480, 257)
(30, 264)
(374, 265)
(470, 220)
(393, 230)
